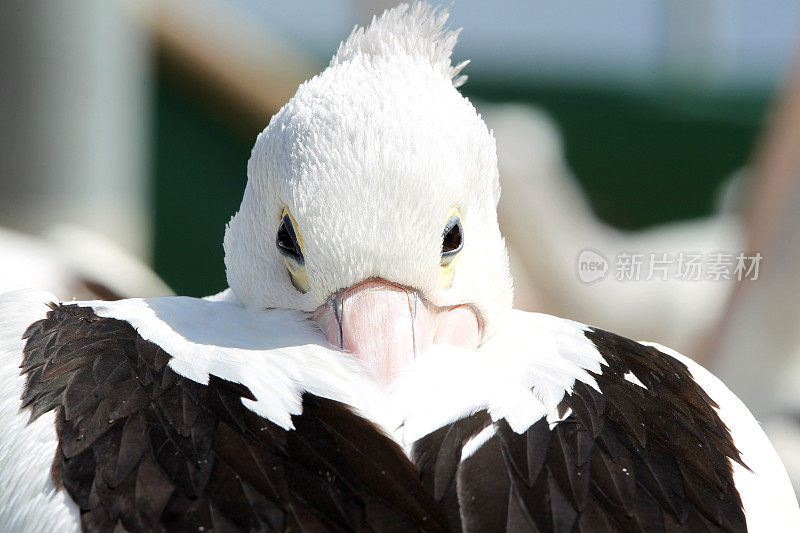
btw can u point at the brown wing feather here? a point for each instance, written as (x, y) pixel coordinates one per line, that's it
(626, 458)
(144, 448)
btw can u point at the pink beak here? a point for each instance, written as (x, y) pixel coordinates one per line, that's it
(388, 326)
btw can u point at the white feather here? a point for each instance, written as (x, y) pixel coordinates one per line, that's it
(521, 374)
(280, 354)
(473, 444)
(630, 376)
(554, 418)
(415, 30)
(277, 354)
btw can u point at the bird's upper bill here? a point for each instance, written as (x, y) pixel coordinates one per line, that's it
(387, 326)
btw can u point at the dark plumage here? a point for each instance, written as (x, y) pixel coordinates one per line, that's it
(144, 447)
(625, 458)
(148, 449)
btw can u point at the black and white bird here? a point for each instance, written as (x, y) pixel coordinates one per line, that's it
(365, 369)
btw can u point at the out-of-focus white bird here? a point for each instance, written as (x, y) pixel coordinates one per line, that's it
(548, 222)
(74, 263)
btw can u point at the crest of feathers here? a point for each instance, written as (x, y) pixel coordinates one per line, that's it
(417, 30)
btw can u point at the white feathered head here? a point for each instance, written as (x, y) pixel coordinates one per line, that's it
(377, 168)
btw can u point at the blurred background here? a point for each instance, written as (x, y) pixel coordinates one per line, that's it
(623, 126)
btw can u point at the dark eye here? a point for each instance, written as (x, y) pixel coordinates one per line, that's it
(287, 242)
(452, 239)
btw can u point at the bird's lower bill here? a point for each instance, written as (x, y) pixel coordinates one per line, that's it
(388, 326)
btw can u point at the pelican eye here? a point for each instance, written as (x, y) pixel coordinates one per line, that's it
(290, 245)
(452, 243)
(452, 239)
(287, 242)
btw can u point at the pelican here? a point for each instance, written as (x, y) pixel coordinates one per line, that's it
(365, 369)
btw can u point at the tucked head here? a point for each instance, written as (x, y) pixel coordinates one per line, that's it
(378, 171)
